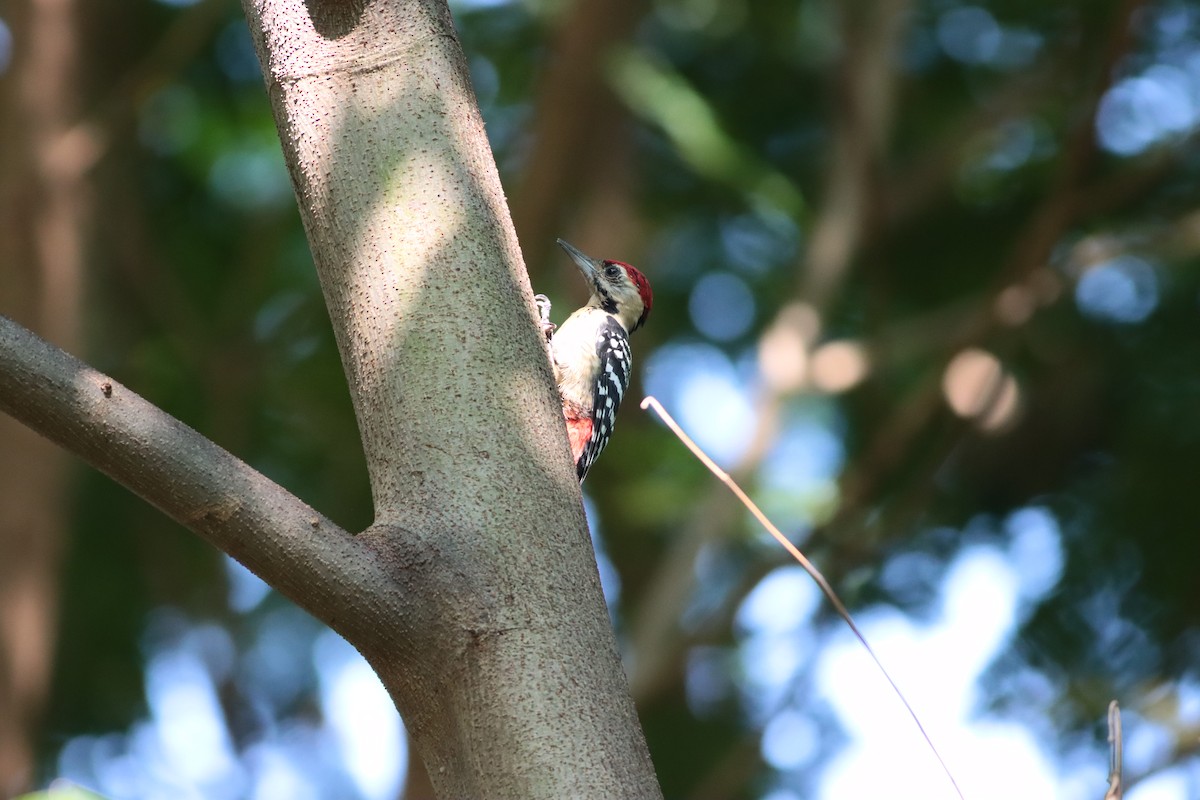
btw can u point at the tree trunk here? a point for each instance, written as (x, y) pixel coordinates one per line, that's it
(43, 211)
(502, 660)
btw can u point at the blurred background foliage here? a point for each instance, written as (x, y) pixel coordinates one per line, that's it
(925, 280)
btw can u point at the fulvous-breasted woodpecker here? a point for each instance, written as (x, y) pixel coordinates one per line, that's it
(590, 352)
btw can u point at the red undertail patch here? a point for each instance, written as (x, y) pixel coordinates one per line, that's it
(579, 430)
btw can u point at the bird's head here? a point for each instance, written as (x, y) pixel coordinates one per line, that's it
(617, 287)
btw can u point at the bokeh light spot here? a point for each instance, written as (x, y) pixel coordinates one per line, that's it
(369, 735)
(235, 53)
(802, 466)
(756, 243)
(790, 740)
(1036, 550)
(1142, 111)
(839, 366)
(781, 602)
(188, 719)
(710, 397)
(969, 34)
(977, 387)
(251, 177)
(1122, 290)
(706, 680)
(1015, 305)
(5, 47)
(783, 349)
(721, 306)
(246, 590)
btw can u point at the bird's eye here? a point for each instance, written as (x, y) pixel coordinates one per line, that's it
(612, 270)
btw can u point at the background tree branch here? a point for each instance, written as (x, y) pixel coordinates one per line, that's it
(45, 215)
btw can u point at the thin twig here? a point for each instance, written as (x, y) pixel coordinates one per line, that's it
(826, 589)
(1115, 790)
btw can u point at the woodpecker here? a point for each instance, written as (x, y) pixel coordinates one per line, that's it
(590, 352)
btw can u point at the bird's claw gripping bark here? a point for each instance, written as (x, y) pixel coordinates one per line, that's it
(543, 305)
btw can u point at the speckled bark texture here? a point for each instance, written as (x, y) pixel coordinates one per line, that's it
(492, 635)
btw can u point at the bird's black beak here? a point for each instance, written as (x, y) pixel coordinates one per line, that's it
(587, 265)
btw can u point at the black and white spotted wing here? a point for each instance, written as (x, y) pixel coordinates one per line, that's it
(616, 361)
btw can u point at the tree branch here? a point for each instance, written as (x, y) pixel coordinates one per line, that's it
(235, 508)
